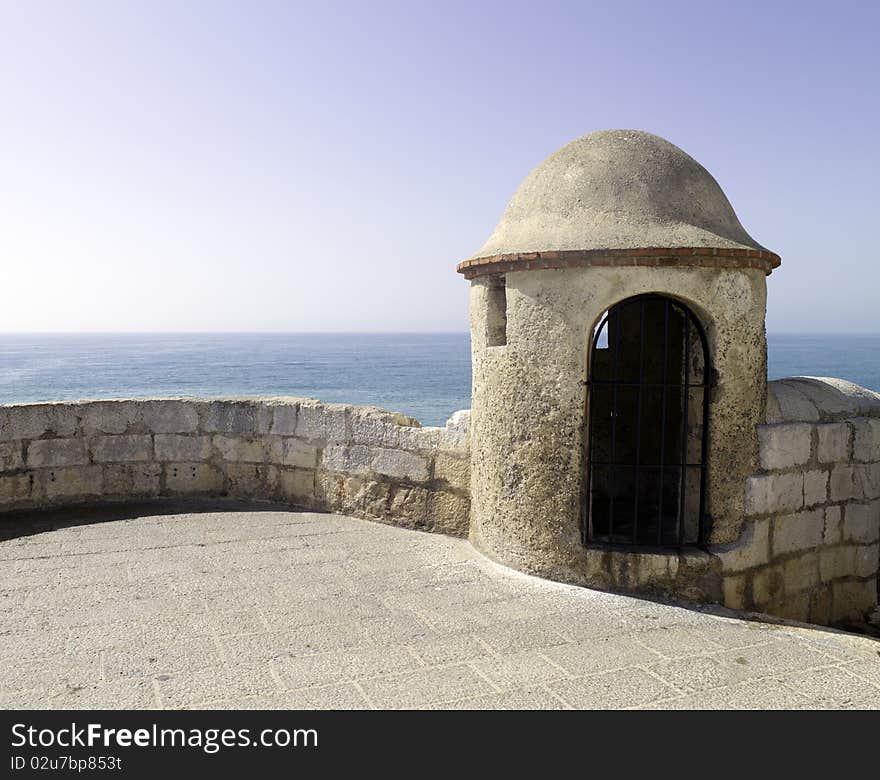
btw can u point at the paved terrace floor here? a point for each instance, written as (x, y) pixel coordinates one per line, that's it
(277, 609)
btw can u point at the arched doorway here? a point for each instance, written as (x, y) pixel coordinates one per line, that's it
(648, 402)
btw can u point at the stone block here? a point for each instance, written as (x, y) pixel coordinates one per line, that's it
(322, 422)
(409, 507)
(11, 455)
(865, 402)
(772, 410)
(820, 605)
(246, 480)
(801, 573)
(239, 449)
(377, 499)
(400, 464)
(815, 487)
(853, 600)
(448, 513)
(455, 436)
(132, 479)
(379, 429)
(454, 471)
(767, 586)
(74, 482)
(192, 478)
(31, 421)
(867, 560)
(833, 532)
(340, 492)
(108, 416)
(844, 484)
(866, 439)
(825, 396)
(867, 476)
(648, 571)
(15, 488)
(359, 496)
(420, 439)
(56, 452)
(735, 589)
(170, 416)
(794, 607)
(371, 498)
(181, 448)
(264, 415)
(837, 562)
(288, 451)
(284, 420)
(297, 486)
(751, 550)
(784, 446)
(793, 405)
(800, 531)
(118, 449)
(833, 442)
(229, 417)
(774, 493)
(861, 522)
(353, 459)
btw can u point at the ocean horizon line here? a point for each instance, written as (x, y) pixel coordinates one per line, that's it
(4, 334)
(237, 333)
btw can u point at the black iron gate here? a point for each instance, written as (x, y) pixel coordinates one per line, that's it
(648, 403)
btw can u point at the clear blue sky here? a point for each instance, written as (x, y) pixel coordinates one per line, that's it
(323, 166)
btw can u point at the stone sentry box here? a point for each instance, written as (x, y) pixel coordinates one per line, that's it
(612, 216)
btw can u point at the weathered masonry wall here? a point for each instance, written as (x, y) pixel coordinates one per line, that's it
(358, 460)
(809, 549)
(811, 533)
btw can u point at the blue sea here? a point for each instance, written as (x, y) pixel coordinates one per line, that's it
(425, 375)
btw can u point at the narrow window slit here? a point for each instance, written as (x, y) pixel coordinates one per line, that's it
(496, 314)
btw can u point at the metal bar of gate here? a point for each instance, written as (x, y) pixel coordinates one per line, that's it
(612, 474)
(645, 384)
(684, 426)
(591, 432)
(675, 465)
(704, 444)
(663, 424)
(635, 525)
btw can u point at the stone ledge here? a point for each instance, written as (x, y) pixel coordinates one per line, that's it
(654, 257)
(818, 399)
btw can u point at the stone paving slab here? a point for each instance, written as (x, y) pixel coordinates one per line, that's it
(200, 606)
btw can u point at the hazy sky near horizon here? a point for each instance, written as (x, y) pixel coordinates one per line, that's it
(198, 166)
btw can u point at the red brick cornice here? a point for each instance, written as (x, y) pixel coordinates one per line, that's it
(666, 257)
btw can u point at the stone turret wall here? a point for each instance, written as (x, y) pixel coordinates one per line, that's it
(809, 550)
(361, 461)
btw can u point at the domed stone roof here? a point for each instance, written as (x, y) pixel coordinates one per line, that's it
(618, 193)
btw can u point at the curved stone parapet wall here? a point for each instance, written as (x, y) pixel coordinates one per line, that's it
(811, 528)
(361, 461)
(809, 548)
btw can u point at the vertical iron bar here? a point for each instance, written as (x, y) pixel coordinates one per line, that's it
(638, 461)
(663, 422)
(591, 411)
(704, 444)
(684, 425)
(612, 471)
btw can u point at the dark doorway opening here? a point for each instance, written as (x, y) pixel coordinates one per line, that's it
(648, 414)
